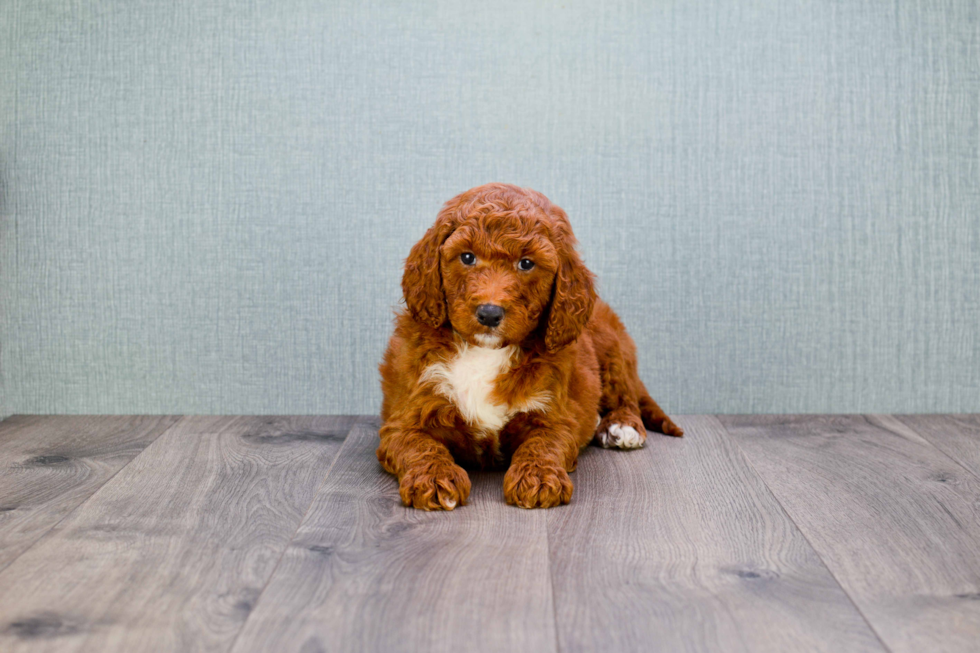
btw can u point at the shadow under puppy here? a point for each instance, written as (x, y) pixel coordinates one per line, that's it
(505, 356)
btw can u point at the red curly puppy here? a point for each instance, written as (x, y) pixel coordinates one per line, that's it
(505, 354)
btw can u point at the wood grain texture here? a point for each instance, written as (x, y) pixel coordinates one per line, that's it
(680, 547)
(365, 573)
(50, 465)
(896, 521)
(172, 553)
(958, 436)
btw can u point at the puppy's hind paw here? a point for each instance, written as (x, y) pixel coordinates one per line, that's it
(620, 436)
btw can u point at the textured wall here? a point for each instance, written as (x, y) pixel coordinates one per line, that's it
(205, 205)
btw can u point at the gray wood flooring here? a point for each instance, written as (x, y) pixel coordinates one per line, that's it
(751, 533)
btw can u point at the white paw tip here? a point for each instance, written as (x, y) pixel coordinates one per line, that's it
(621, 437)
(449, 504)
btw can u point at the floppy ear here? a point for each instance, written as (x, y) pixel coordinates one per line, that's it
(574, 297)
(422, 280)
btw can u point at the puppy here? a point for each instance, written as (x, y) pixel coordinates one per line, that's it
(504, 356)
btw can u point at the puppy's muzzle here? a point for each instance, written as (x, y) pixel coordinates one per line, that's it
(489, 315)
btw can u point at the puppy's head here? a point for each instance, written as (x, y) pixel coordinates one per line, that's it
(499, 263)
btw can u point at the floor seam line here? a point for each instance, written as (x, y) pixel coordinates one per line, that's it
(932, 444)
(357, 422)
(551, 583)
(68, 514)
(748, 461)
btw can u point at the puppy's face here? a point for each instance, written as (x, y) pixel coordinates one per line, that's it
(497, 275)
(499, 261)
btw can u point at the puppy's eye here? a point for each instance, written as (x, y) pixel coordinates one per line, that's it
(467, 258)
(525, 264)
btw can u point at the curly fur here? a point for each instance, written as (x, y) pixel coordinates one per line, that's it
(529, 394)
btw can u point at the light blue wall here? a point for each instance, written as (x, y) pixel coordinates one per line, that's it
(205, 206)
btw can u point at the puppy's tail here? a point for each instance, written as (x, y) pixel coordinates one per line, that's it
(654, 418)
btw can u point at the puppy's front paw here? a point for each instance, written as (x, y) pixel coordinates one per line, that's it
(434, 486)
(531, 485)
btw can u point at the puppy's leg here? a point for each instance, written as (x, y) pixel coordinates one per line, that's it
(428, 478)
(538, 472)
(626, 407)
(621, 426)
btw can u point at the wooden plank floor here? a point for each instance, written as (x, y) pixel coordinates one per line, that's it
(895, 519)
(52, 464)
(752, 533)
(681, 544)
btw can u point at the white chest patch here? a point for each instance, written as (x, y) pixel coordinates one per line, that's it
(468, 380)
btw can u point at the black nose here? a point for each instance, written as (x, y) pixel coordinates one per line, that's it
(489, 315)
